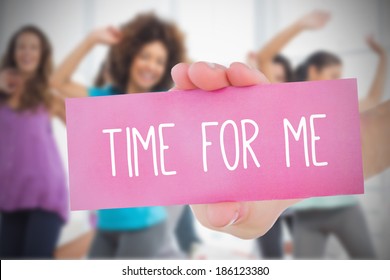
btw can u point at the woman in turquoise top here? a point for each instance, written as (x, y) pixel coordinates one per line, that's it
(317, 218)
(142, 53)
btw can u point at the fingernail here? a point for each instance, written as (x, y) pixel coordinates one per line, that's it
(248, 66)
(252, 68)
(215, 65)
(211, 65)
(234, 219)
(244, 64)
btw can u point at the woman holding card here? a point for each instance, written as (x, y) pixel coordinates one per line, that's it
(33, 201)
(142, 53)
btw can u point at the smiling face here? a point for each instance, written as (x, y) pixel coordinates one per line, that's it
(27, 52)
(148, 66)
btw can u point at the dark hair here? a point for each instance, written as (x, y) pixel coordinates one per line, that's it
(280, 59)
(37, 87)
(101, 78)
(144, 29)
(319, 60)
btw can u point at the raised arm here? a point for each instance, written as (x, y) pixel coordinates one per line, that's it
(375, 93)
(61, 80)
(311, 21)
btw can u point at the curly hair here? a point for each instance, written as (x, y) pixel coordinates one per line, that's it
(37, 90)
(144, 29)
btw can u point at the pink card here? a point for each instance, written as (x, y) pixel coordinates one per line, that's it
(279, 141)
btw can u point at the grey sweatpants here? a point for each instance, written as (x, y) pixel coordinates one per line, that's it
(312, 228)
(154, 242)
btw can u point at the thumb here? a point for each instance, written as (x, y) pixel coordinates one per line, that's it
(226, 213)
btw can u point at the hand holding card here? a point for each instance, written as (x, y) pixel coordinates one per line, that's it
(242, 219)
(238, 143)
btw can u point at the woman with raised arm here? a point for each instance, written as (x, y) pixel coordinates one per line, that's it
(277, 68)
(269, 60)
(342, 216)
(142, 53)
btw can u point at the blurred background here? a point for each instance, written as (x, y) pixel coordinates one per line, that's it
(221, 31)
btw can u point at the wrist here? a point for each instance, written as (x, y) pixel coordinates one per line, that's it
(299, 26)
(92, 39)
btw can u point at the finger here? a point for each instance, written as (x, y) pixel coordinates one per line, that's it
(180, 76)
(208, 76)
(115, 32)
(241, 75)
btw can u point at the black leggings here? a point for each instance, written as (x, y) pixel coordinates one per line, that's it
(185, 230)
(29, 234)
(271, 243)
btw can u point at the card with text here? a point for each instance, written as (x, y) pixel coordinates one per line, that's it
(265, 142)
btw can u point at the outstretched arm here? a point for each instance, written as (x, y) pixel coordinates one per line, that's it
(378, 84)
(252, 219)
(61, 78)
(311, 21)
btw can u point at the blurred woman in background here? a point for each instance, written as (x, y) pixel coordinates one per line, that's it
(33, 201)
(317, 218)
(142, 53)
(277, 68)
